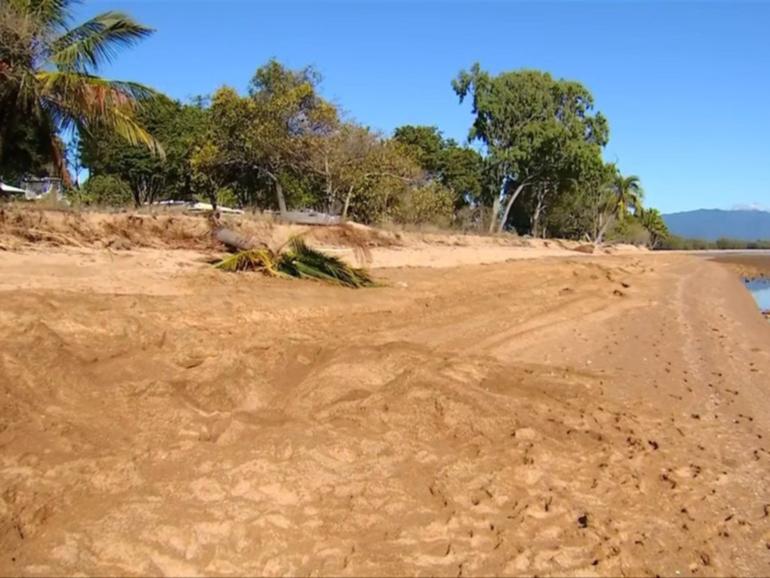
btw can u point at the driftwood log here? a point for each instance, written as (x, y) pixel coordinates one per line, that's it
(587, 248)
(233, 241)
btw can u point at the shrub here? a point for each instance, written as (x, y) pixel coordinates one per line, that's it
(105, 190)
(675, 243)
(429, 204)
(629, 231)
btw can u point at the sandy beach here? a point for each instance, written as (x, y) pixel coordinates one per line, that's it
(572, 415)
(384, 289)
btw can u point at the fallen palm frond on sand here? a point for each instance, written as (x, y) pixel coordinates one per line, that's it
(296, 259)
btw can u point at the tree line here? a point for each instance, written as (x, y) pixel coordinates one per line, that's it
(532, 162)
(676, 243)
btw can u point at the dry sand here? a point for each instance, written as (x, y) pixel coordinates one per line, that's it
(569, 416)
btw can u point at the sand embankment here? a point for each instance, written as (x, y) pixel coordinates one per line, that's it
(26, 228)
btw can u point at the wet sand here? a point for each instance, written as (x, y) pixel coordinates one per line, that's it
(748, 265)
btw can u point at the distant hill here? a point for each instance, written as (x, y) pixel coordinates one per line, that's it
(711, 224)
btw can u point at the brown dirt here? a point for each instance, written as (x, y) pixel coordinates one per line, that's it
(585, 415)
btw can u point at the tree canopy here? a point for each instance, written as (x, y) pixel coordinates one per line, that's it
(537, 131)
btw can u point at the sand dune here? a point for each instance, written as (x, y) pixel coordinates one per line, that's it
(578, 416)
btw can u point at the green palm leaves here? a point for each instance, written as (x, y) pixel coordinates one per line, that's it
(96, 42)
(627, 193)
(654, 224)
(297, 259)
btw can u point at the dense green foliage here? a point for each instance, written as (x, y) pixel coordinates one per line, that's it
(175, 126)
(458, 169)
(537, 166)
(104, 191)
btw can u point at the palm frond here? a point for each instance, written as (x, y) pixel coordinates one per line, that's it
(138, 92)
(251, 260)
(301, 260)
(92, 93)
(297, 260)
(96, 41)
(126, 126)
(87, 101)
(49, 13)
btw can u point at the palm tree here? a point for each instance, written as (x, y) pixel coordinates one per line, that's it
(48, 76)
(628, 194)
(653, 222)
(623, 195)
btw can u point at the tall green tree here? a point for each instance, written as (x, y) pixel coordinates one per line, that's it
(48, 76)
(268, 134)
(462, 172)
(459, 169)
(380, 182)
(532, 127)
(361, 172)
(177, 127)
(425, 143)
(337, 159)
(290, 115)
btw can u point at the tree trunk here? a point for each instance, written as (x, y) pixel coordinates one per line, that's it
(536, 219)
(509, 204)
(347, 203)
(600, 237)
(279, 196)
(493, 216)
(329, 185)
(232, 240)
(152, 194)
(535, 222)
(60, 162)
(138, 194)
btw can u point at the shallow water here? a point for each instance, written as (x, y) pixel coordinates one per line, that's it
(760, 289)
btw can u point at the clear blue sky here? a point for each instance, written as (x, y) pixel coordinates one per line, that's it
(685, 85)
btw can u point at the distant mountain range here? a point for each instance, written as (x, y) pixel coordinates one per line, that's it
(711, 224)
